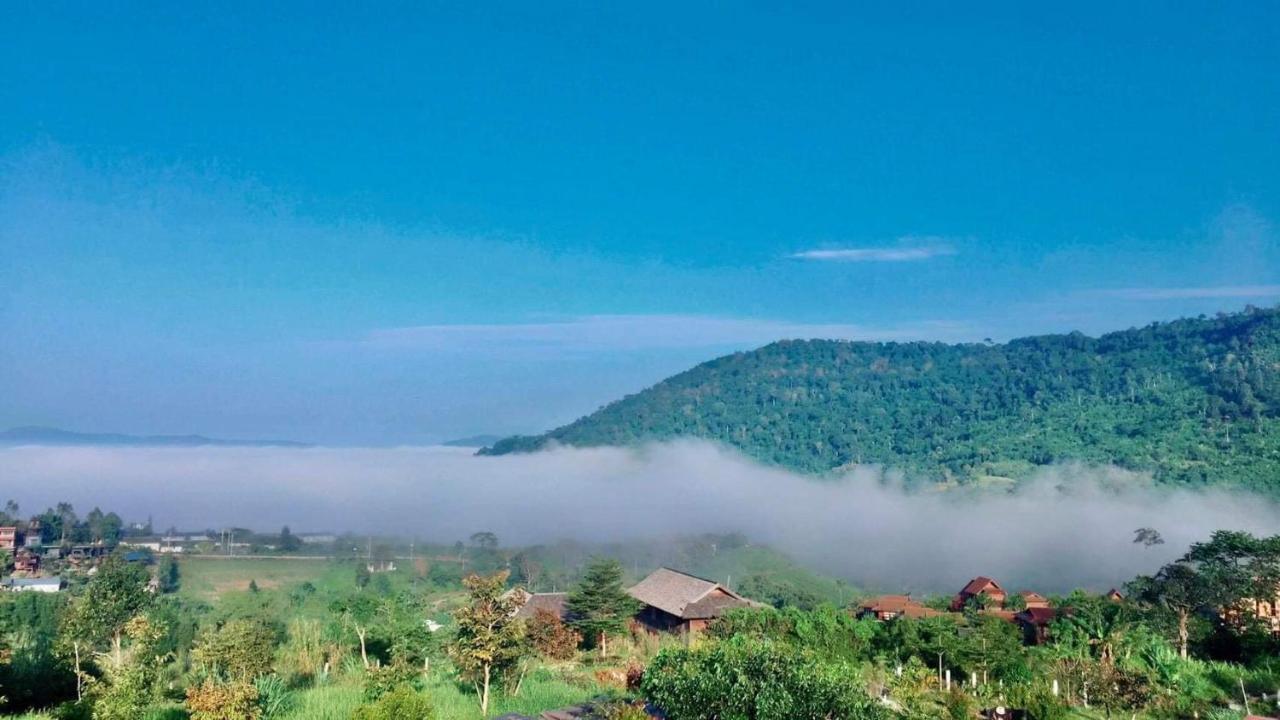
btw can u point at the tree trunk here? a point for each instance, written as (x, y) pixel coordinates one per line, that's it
(484, 693)
(79, 675)
(364, 655)
(117, 644)
(1182, 633)
(604, 644)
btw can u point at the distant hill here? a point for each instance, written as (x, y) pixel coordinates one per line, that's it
(54, 436)
(1194, 401)
(474, 441)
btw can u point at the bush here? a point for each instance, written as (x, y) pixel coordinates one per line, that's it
(751, 678)
(223, 701)
(403, 703)
(82, 710)
(384, 679)
(551, 637)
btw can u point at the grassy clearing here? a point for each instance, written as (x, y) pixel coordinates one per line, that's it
(208, 578)
(542, 690)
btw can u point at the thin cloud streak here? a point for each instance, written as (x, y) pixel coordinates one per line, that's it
(911, 250)
(1192, 293)
(641, 332)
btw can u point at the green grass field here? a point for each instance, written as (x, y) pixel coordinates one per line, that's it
(541, 691)
(208, 578)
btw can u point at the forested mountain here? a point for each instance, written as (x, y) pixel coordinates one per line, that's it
(1196, 401)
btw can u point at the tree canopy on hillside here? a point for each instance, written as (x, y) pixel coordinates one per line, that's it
(1194, 401)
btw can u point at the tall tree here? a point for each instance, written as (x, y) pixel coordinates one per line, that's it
(599, 605)
(489, 638)
(1178, 589)
(358, 610)
(116, 594)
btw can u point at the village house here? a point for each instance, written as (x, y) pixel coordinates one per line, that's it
(1035, 624)
(32, 538)
(553, 603)
(888, 607)
(26, 562)
(677, 602)
(1033, 599)
(671, 601)
(44, 584)
(980, 585)
(9, 538)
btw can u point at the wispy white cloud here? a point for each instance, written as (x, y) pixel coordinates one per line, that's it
(1193, 293)
(909, 249)
(638, 332)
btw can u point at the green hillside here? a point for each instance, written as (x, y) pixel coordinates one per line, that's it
(1196, 401)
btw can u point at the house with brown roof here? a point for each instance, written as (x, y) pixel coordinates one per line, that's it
(888, 607)
(26, 562)
(673, 601)
(551, 602)
(8, 538)
(1035, 623)
(1033, 599)
(979, 586)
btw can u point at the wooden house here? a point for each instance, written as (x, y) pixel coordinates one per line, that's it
(888, 607)
(979, 586)
(1033, 599)
(1035, 623)
(9, 539)
(531, 603)
(26, 562)
(677, 602)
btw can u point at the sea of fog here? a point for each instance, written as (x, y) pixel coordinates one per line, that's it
(1070, 526)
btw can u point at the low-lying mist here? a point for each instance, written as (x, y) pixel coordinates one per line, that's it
(1070, 526)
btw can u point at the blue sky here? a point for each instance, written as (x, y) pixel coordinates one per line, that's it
(419, 221)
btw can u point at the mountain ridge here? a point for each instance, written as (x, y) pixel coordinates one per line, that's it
(38, 435)
(1193, 401)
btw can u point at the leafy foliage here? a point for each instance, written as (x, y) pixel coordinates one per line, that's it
(402, 703)
(213, 700)
(600, 606)
(241, 649)
(489, 639)
(747, 678)
(551, 637)
(1195, 401)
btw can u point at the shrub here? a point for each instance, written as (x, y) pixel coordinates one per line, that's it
(745, 677)
(403, 703)
(551, 637)
(383, 679)
(241, 649)
(223, 701)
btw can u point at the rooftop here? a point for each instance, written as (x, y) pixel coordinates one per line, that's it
(686, 596)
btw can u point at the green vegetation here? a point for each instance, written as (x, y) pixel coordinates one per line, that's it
(361, 640)
(1194, 401)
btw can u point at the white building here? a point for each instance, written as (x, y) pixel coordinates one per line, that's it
(44, 584)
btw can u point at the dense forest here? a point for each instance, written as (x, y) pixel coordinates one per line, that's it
(1194, 401)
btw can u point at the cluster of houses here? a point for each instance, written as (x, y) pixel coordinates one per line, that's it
(676, 602)
(24, 547)
(670, 602)
(1033, 612)
(37, 567)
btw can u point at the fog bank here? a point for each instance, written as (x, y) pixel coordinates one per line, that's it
(1071, 526)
